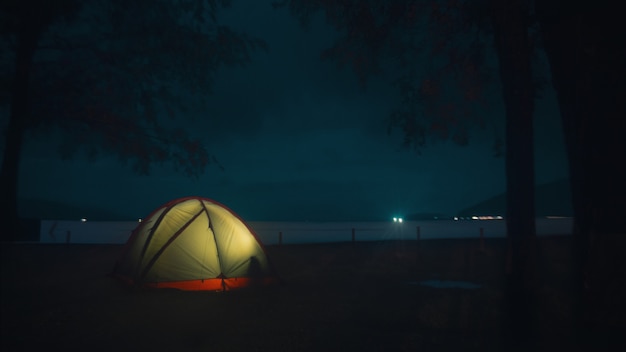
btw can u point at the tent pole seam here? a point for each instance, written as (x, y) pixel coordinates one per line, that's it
(217, 248)
(137, 276)
(169, 241)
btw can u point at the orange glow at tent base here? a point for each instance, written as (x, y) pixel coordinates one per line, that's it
(216, 284)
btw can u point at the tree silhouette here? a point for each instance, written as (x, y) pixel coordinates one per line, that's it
(114, 76)
(587, 68)
(446, 98)
(582, 42)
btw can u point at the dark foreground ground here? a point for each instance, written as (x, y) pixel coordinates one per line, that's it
(339, 297)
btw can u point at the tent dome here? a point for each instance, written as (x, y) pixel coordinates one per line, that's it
(194, 243)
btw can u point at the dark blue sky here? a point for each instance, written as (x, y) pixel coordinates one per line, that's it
(299, 140)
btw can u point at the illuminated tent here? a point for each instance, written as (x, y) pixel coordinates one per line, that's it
(194, 244)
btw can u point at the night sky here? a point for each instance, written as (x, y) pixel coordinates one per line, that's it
(298, 139)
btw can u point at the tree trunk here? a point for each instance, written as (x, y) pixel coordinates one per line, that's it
(513, 50)
(587, 63)
(27, 40)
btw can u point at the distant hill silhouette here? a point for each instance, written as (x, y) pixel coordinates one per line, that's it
(51, 210)
(551, 199)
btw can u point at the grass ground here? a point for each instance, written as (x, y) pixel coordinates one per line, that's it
(334, 297)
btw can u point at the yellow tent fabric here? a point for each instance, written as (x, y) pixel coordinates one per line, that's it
(194, 243)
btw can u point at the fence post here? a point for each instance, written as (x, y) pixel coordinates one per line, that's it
(280, 238)
(353, 235)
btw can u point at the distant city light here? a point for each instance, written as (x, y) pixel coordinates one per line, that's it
(83, 220)
(456, 218)
(397, 219)
(139, 220)
(487, 217)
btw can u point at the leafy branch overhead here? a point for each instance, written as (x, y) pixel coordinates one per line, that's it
(118, 76)
(437, 49)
